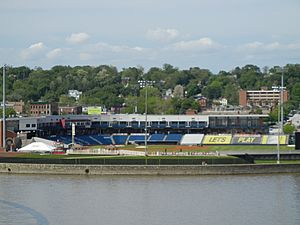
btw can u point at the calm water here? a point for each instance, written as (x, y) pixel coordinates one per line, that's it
(153, 200)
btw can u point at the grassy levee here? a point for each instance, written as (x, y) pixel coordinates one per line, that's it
(122, 160)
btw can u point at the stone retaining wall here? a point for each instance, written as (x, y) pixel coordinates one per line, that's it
(19, 168)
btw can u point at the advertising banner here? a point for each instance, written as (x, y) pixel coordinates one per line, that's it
(94, 110)
(273, 139)
(217, 139)
(246, 140)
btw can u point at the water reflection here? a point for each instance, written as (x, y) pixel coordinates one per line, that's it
(155, 200)
(11, 213)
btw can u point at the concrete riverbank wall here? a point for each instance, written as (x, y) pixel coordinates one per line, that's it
(20, 168)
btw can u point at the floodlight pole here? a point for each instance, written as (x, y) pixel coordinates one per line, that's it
(73, 135)
(278, 135)
(280, 118)
(3, 112)
(146, 119)
(281, 101)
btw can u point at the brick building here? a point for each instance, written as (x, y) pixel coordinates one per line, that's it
(67, 110)
(43, 108)
(261, 98)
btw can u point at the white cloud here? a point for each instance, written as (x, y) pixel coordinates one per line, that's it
(202, 44)
(259, 46)
(293, 46)
(267, 47)
(116, 48)
(163, 35)
(77, 38)
(84, 56)
(54, 53)
(273, 46)
(33, 51)
(252, 46)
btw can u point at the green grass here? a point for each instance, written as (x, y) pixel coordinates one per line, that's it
(214, 148)
(275, 161)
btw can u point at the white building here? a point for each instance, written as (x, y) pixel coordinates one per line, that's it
(295, 120)
(75, 94)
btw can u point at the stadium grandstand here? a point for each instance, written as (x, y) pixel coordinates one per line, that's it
(121, 129)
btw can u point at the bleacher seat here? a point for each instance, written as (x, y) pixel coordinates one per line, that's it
(176, 138)
(102, 139)
(119, 139)
(64, 139)
(156, 138)
(87, 140)
(136, 137)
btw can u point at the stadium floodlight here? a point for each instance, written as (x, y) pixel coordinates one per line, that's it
(145, 84)
(280, 114)
(3, 111)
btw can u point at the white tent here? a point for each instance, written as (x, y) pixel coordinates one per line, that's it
(37, 147)
(45, 141)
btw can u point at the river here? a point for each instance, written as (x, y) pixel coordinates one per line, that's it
(150, 200)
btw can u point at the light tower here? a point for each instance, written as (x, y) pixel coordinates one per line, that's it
(280, 114)
(3, 111)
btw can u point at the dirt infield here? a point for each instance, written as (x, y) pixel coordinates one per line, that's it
(190, 148)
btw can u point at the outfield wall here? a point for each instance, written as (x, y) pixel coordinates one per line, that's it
(217, 140)
(239, 139)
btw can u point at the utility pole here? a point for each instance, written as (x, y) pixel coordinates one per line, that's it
(146, 119)
(280, 114)
(145, 84)
(73, 135)
(281, 101)
(278, 135)
(3, 112)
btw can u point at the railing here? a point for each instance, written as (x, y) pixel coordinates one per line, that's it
(102, 151)
(139, 153)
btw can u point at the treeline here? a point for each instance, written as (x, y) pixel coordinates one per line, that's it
(106, 86)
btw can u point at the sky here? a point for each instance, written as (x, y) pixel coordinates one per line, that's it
(210, 34)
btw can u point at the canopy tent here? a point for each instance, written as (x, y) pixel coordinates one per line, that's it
(45, 141)
(37, 147)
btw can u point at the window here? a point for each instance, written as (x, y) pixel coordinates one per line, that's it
(33, 125)
(27, 125)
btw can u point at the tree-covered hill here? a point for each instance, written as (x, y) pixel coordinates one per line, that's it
(106, 86)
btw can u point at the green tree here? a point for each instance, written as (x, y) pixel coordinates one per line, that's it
(273, 115)
(9, 112)
(213, 90)
(231, 93)
(289, 128)
(65, 100)
(192, 88)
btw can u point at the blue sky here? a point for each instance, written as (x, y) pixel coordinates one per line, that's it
(211, 34)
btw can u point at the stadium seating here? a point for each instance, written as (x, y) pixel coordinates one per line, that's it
(136, 138)
(86, 140)
(173, 138)
(192, 139)
(102, 139)
(64, 139)
(156, 138)
(119, 139)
